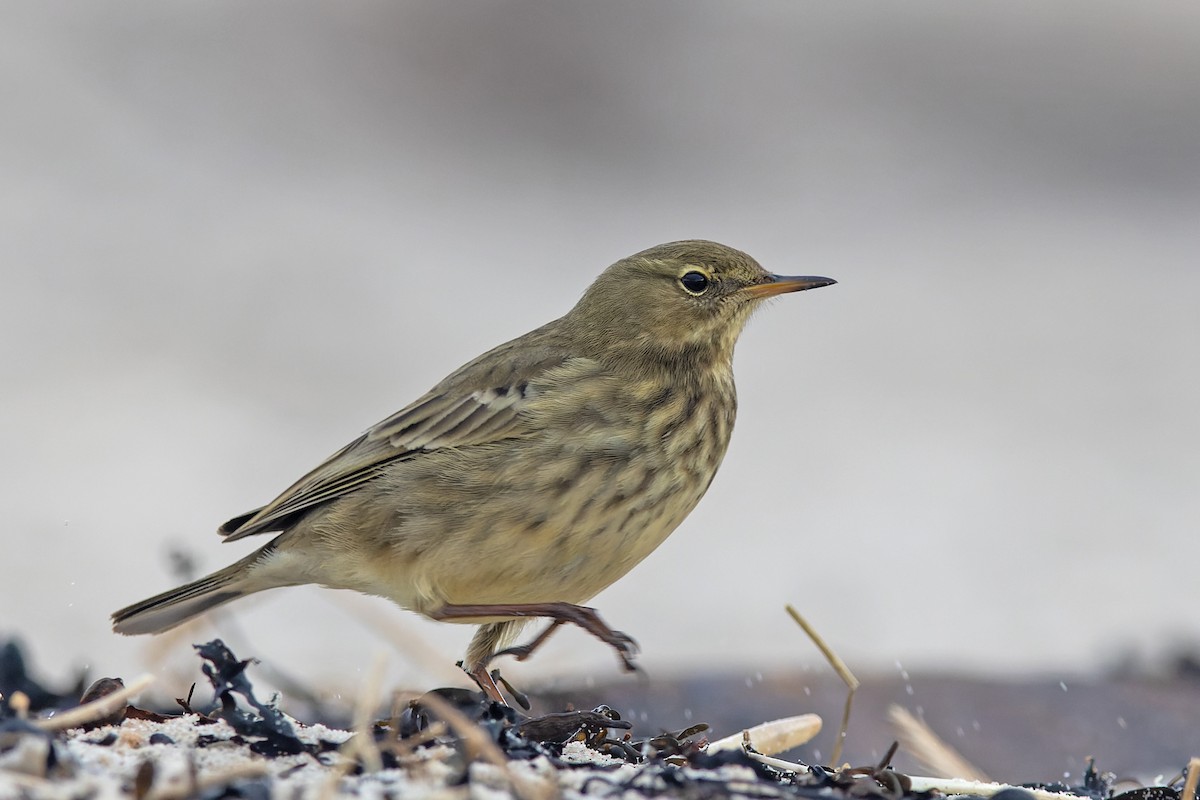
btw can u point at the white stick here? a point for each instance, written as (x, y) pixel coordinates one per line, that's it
(772, 737)
(97, 709)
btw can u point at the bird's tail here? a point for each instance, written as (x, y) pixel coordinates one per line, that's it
(165, 611)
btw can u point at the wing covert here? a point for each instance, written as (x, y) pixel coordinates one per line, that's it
(459, 412)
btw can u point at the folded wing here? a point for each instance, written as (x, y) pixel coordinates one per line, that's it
(475, 405)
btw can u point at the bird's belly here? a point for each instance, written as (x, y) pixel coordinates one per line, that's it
(562, 539)
(552, 518)
(567, 562)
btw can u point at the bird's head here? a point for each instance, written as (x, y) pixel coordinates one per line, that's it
(684, 300)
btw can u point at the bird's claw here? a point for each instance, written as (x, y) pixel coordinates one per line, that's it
(520, 652)
(587, 619)
(627, 649)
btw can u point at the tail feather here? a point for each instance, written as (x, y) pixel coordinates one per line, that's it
(176, 606)
(232, 525)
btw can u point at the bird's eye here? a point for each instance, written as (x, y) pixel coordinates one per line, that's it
(694, 282)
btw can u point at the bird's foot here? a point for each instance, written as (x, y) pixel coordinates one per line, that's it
(582, 616)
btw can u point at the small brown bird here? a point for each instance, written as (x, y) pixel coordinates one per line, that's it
(529, 479)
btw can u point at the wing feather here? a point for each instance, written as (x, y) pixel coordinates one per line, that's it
(478, 404)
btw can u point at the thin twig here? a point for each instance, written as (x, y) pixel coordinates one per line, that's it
(364, 742)
(411, 646)
(843, 672)
(930, 750)
(1193, 775)
(480, 745)
(328, 788)
(980, 788)
(778, 763)
(403, 748)
(947, 786)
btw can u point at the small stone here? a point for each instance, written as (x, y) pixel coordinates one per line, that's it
(1013, 794)
(103, 688)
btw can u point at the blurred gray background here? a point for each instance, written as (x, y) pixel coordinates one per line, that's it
(235, 235)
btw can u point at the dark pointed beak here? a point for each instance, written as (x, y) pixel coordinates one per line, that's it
(782, 284)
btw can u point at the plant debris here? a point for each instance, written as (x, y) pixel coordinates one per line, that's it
(271, 731)
(445, 743)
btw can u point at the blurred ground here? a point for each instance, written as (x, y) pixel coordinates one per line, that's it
(1138, 726)
(236, 235)
(1019, 730)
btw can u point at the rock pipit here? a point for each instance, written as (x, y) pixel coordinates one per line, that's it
(529, 479)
